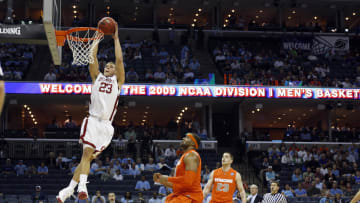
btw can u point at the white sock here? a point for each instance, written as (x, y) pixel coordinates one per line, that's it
(83, 178)
(73, 184)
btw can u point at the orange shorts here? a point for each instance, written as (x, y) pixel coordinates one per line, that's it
(175, 198)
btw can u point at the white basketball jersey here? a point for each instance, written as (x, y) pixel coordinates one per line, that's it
(104, 97)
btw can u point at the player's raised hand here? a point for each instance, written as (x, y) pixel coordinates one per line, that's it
(116, 34)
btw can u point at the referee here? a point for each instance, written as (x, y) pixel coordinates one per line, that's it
(274, 196)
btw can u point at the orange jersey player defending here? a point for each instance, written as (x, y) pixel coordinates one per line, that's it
(186, 183)
(225, 181)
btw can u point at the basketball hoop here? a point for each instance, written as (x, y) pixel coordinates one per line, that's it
(81, 41)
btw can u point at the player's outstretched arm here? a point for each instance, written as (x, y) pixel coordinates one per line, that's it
(240, 187)
(209, 184)
(119, 64)
(94, 67)
(356, 197)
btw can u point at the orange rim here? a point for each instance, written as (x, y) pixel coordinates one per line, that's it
(62, 34)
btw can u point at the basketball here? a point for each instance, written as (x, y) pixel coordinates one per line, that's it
(107, 25)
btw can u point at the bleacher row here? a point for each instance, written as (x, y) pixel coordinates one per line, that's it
(16, 188)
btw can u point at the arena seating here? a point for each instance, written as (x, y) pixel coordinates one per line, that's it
(263, 61)
(58, 179)
(16, 60)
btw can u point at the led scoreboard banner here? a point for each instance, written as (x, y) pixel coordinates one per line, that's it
(187, 90)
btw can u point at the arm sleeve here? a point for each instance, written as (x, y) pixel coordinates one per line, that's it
(187, 180)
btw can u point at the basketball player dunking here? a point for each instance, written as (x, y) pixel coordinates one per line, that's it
(225, 181)
(186, 183)
(96, 130)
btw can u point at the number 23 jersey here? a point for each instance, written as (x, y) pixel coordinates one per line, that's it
(224, 185)
(104, 97)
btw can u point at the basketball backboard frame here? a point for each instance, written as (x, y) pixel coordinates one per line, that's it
(52, 22)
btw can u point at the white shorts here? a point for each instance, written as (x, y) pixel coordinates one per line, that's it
(96, 133)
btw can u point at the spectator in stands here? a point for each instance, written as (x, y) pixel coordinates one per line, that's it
(133, 170)
(288, 192)
(132, 76)
(149, 76)
(357, 177)
(98, 198)
(163, 191)
(276, 166)
(163, 52)
(112, 198)
(296, 177)
(127, 198)
(170, 79)
(8, 75)
(335, 190)
(206, 174)
(219, 57)
(50, 76)
(117, 176)
(140, 198)
(74, 167)
(70, 123)
(128, 160)
(20, 168)
(42, 169)
(7, 169)
(349, 192)
(137, 55)
(18, 74)
(159, 75)
(338, 199)
(139, 166)
(158, 152)
(188, 76)
(194, 65)
(163, 166)
(98, 168)
(296, 159)
(307, 183)
(318, 173)
(130, 135)
(154, 198)
(270, 175)
(319, 184)
(254, 197)
(308, 173)
(313, 191)
(286, 158)
(170, 152)
(326, 198)
(38, 195)
(300, 191)
(142, 185)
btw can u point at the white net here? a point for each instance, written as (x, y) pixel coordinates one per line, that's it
(81, 46)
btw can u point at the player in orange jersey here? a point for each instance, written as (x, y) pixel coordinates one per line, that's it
(225, 181)
(186, 181)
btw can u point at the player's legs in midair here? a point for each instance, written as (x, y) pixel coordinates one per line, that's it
(80, 177)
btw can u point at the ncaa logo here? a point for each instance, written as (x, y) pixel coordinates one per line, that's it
(231, 174)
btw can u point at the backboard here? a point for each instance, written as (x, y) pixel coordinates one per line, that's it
(52, 22)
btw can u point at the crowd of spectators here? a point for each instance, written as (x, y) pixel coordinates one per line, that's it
(315, 171)
(309, 134)
(265, 62)
(15, 60)
(144, 61)
(109, 168)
